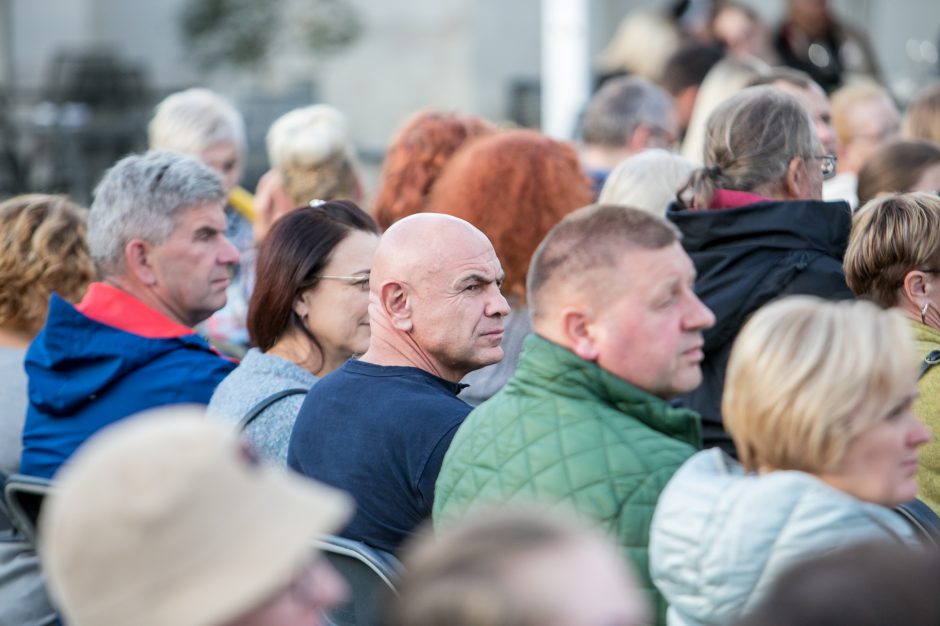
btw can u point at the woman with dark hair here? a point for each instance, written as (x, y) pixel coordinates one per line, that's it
(308, 315)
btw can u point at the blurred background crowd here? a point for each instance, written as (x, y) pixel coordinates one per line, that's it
(79, 79)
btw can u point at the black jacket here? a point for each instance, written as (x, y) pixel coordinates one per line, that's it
(746, 257)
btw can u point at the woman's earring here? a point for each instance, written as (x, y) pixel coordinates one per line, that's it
(923, 312)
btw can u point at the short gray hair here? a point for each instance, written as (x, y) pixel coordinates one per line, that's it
(620, 106)
(194, 120)
(140, 197)
(750, 140)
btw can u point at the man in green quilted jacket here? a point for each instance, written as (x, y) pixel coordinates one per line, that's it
(586, 420)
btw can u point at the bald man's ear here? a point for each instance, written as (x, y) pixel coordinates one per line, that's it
(137, 261)
(397, 305)
(576, 328)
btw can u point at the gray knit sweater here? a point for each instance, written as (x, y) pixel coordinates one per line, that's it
(258, 376)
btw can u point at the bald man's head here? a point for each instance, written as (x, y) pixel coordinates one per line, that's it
(435, 296)
(419, 244)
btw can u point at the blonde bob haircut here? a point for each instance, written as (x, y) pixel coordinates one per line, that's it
(890, 237)
(806, 376)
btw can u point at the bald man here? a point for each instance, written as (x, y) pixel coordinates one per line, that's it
(378, 427)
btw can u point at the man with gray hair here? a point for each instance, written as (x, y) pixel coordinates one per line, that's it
(156, 231)
(627, 115)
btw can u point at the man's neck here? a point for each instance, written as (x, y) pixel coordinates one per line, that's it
(399, 349)
(108, 303)
(148, 297)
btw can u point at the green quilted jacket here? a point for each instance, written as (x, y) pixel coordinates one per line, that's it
(563, 430)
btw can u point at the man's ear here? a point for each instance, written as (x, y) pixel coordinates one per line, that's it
(138, 262)
(796, 172)
(395, 301)
(576, 326)
(639, 139)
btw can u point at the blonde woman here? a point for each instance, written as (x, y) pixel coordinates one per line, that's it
(312, 158)
(828, 442)
(893, 259)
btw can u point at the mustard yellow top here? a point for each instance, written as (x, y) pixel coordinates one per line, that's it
(242, 201)
(927, 408)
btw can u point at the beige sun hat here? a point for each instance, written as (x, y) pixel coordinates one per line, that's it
(166, 518)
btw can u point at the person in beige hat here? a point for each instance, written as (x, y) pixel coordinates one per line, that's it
(166, 518)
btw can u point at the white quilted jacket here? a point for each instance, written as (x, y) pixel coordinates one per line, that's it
(720, 537)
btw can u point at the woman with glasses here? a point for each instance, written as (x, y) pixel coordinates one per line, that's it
(308, 314)
(893, 259)
(755, 226)
(828, 442)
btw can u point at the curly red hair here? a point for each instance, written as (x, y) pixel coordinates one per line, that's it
(418, 153)
(514, 186)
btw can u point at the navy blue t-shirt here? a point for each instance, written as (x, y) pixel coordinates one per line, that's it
(380, 434)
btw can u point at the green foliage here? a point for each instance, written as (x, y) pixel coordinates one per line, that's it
(243, 33)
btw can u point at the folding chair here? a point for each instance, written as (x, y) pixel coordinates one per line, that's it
(24, 496)
(371, 575)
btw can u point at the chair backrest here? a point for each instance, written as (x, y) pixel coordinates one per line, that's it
(24, 496)
(371, 575)
(926, 523)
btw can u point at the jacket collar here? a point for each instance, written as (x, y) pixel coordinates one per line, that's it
(731, 199)
(547, 364)
(114, 307)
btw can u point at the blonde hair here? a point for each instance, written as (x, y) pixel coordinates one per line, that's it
(890, 237)
(922, 119)
(643, 43)
(847, 98)
(194, 120)
(648, 180)
(806, 376)
(43, 249)
(312, 150)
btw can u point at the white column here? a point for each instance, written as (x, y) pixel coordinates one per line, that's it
(566, 66)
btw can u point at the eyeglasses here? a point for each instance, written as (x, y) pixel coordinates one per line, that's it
(357, 281)
(827, 165)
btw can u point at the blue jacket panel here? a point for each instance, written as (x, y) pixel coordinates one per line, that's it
(84, 375)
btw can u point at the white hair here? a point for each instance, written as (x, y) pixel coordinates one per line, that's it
(140, 198)
(648, 180)
(194, 120)
(308, 136)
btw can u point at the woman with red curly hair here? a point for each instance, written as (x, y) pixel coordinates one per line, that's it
(514, 186)
(418, 153)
